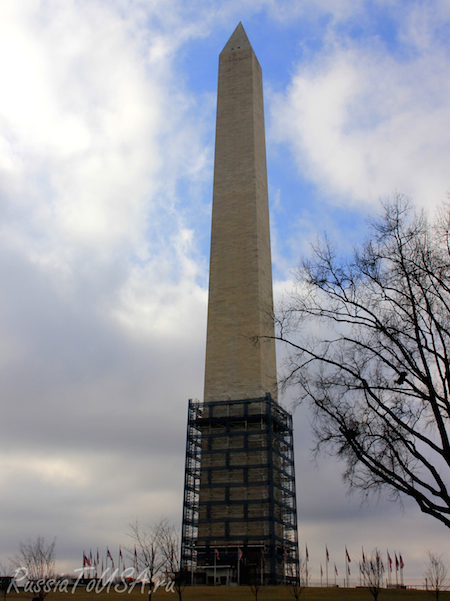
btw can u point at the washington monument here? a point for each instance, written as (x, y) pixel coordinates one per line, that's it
(240, 283)
(239, 514)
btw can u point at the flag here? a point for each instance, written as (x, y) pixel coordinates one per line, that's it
(396, 562)
(120, 553)
(389, 561)
(326, 549)
(321, 571)
(348, 569)
(108, 554)
(335, 570)
(102, 567)
(216, 551)
(90, 557)
(363, 556)
(378, 558)
(402, 565)
(307, 554)
(239, 554)
(98, 558)
(348, 556)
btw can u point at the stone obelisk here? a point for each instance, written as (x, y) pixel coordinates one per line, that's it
(240, 289)
(239, 512)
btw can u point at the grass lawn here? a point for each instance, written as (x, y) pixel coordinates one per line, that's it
(242, 593)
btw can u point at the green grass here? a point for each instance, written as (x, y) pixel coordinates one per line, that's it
(242, 593)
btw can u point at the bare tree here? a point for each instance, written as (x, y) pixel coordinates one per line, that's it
(297, 578)
(255, 579)
(170, 546)
(146, 553)
(377, 375)
(5, 579)
(435, 574)
(372, 568)
(36, 561)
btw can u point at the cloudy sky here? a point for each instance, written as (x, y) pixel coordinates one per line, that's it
(107, 118)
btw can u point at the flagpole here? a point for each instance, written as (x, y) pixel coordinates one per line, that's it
(396, 569)
(389, 567)
(262, 584)
(239, 568)
(346, 565)
(364, 566)
(307, 559)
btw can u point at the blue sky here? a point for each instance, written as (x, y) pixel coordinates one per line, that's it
(106, 161)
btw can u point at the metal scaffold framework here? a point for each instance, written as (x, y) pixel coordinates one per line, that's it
(239, 493)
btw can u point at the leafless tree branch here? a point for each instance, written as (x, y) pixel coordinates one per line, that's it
(369, 344)
(436, 574)
(37, 559)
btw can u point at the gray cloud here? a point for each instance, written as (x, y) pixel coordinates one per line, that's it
(105, 168)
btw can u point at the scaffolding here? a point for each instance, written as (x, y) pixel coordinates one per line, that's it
(239, 492)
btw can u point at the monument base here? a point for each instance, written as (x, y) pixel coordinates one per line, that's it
(239, 497)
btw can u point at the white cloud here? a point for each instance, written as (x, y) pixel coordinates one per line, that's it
(363, 123)
(95, 134)
(85, 116)
(53, 471)
(102, 267)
